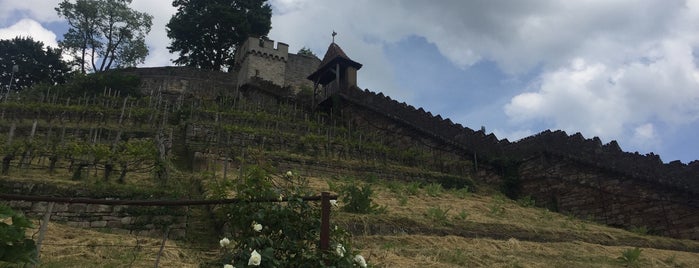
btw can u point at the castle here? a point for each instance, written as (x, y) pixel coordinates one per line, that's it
(566, 173)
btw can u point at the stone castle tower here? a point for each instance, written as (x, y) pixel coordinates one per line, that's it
(259, 58)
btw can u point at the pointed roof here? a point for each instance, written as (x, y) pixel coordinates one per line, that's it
(334, 55)
(334, 51)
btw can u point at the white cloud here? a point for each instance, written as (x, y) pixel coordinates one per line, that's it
(157, 40)
(606, 99)
(42, 10)
(29, 28)
(645, 137)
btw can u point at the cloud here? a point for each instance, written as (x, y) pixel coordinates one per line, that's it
(157, 40)
(29, 28)
(607, 99)
(42, 11)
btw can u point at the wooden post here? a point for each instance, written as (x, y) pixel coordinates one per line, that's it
(166, 233)
(324, 221)
(42, 229)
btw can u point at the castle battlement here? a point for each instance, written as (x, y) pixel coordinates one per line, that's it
(262, 47)
(259, 58)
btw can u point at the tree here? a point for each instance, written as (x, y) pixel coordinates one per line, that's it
(206, 33)
(304, 51)
(104, 33)
(35, 63)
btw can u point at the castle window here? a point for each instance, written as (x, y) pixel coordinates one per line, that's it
(262, 42)
(257, 72)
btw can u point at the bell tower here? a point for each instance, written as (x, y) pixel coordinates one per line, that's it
(336, 73)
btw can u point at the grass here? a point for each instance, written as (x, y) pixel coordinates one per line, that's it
(453, 229)
(73, 247)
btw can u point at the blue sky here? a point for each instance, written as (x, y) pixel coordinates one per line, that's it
(622, 70)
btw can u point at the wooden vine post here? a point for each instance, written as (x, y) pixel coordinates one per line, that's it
(324, 221)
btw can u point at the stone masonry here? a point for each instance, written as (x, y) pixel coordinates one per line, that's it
(258, 58)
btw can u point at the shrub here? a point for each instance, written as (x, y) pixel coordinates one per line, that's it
(642, 230)
(412, 188)
(438, 215)
(631, 257)
(462, 192)
(95, 84)
(278, 234)
(358, 200)
(14, 246)
(462, 215)
(434, 189)
(497, 206)
(526, 201)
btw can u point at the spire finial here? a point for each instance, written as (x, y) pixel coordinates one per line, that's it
(334, 34)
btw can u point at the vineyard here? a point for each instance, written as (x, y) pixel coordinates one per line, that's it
(114, 144)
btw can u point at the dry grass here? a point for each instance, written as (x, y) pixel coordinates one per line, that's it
(551, 239)
(66, 246)
(481, 231)
(453, 251)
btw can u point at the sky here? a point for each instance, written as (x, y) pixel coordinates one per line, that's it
(623, 70)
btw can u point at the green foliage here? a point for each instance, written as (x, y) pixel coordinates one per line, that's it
(463, 214)
(402, 200)
(546, 214)
(109, 31)
(285, 234)
(526, 201)
(641, 230)
(497, 206)
(455, 182)
(395, 187)
(412, 188)
(631, 257)
(35, 64)
(509, 168)
(358, 199)
(462, 192)
(14, 246)
(304, 51)
(95, 84)
(434, 189)
(211, 43)
(438, 215)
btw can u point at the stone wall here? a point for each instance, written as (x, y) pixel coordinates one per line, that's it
(261, 65)
(138, 220)
(298, 67)
(185, 81)
(586, 178)
(610, 157)
(142, 221)
(595, 193)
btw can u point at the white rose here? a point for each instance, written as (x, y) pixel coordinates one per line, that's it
(257, 227)
(360, 261)
(224, 242)
(340, 250)
(255, 258)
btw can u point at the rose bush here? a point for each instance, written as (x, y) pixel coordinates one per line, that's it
(282, 231)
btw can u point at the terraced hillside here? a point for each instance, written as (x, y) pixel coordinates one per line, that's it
(441, 207)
